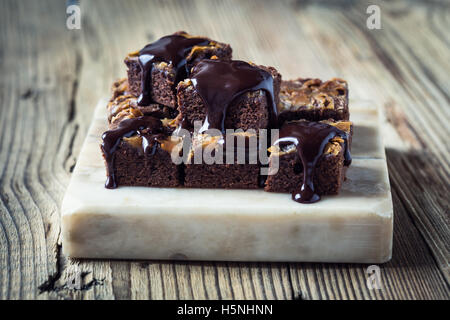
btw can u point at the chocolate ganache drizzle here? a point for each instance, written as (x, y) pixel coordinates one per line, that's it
(220, 82)
(310, 139)
(148, 128)
(172, 49)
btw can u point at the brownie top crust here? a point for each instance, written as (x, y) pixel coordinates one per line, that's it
(313, 94)
(218, 83)
(141, 132)
(310, 140)
(176, 50)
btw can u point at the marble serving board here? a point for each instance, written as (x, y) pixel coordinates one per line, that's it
(233, 225)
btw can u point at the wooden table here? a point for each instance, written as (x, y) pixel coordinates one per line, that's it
(52, 77)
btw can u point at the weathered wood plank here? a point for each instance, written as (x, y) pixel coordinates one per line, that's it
(53, 77)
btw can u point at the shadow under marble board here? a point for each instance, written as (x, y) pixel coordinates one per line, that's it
(232, 225)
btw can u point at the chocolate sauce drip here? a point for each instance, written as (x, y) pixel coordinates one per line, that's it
(150, 129)
(220, 82)
(171, 49)
(310, 139)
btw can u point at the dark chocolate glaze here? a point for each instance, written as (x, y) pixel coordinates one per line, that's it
(220, 82)
(172, 49)
(310, 139)
(149, 128)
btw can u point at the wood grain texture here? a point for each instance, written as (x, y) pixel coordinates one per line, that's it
(52, 78)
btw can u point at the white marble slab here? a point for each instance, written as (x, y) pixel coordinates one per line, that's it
(234, 225)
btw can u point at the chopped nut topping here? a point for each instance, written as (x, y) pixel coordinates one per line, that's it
(119, 88)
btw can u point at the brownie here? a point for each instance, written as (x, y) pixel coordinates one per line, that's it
(169, 67)
(123, 104)
(253, 109)
(239, 172)
(330, 166)
(313, 100)
(137, 152)
(182, 81)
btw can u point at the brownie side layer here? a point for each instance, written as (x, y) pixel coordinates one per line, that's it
(234, 175)
(135, 168)
(224, 176)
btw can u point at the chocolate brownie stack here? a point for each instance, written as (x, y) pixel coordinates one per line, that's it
(183, 88)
